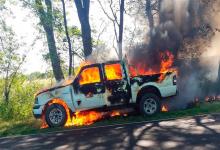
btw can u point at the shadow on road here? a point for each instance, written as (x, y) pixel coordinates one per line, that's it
(196, 132)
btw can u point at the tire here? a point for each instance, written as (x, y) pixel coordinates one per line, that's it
(149, 104)
(55, 115)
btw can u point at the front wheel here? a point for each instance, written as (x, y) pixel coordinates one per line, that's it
(149, 104)
(55, 115)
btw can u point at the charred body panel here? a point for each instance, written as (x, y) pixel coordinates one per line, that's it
(42, 99)
(165, 87)
(140, 80)
(118, 90)
(88, 95)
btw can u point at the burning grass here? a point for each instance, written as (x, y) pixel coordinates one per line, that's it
(164, 108)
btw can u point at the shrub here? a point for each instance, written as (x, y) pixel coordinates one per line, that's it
(21, 99)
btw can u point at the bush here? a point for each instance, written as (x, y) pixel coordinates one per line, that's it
(21, 99)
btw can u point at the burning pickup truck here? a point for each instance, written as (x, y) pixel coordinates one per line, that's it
(104, 86)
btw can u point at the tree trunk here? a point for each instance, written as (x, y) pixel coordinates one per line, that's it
(6, 96)
(83, 14)
(55, 60)
(121, 25)
(6, 92)
(46, 19)
(149, 14)
(218, 81)
(68, 39)
(159, 7)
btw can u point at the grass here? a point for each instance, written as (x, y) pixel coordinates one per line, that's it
(32, 126)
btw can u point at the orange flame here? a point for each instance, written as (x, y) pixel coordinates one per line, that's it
(115, 113)
(113, 71)
(60, 102)
(89, 75)
(86, 118)
(80, 118)
(164, 108)
(167, 60)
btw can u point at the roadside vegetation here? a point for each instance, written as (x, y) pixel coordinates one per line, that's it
(29, 125)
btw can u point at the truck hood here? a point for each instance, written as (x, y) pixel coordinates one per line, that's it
(58, 85)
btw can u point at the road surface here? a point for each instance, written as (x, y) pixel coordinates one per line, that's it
(196, 133)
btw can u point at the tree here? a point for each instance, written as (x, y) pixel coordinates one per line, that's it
(83, 15)
(10, 59)
(46, 19)
(149, 14)
(218, 81)
(117, 24)
(68, 39)
(121, 25)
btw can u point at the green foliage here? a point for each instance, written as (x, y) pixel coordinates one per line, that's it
(21, 99)
(58, 20)
(74, 31)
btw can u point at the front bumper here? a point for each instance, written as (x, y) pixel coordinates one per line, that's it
(37, 111)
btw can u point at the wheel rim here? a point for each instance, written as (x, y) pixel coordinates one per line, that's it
(150, 106)
(55, 116)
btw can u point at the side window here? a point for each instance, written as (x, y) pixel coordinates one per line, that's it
(113, 71)
(89, 75)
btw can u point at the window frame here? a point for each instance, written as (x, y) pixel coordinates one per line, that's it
(88, 67)
(113, 63)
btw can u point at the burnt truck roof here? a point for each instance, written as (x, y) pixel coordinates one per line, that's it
(107, 62)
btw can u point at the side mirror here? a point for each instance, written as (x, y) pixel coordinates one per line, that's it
(76, 82)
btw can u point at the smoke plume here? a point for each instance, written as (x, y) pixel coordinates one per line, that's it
(177, 19)
(187, 28)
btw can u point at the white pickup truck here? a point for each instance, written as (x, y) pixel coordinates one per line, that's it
(101, 86)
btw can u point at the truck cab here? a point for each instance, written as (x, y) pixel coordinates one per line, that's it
(104, 85)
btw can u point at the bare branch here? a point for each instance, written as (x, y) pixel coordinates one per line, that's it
(113, 20)
(115, 47)
(132, 35)
(115, 31)
(113, 13)
(81, 57)
(100, 33)
(105, 11)
(13, 75)
(3, 47)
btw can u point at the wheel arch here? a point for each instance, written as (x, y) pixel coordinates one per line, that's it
(147, 89)
(57, 101)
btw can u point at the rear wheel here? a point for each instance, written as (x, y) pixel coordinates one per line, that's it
(55, 115)
(149, 104)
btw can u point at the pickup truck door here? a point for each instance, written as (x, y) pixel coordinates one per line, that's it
(89, 88)
(116, 83)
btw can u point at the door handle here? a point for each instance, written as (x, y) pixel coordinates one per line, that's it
(96, 84)
(88, 95)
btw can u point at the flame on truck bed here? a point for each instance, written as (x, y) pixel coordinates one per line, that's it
(166, 65)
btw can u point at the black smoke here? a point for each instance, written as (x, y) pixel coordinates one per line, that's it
(178, 20)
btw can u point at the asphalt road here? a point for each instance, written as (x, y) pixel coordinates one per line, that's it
(190, 133)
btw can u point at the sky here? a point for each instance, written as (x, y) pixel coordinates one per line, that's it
(24, 23)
